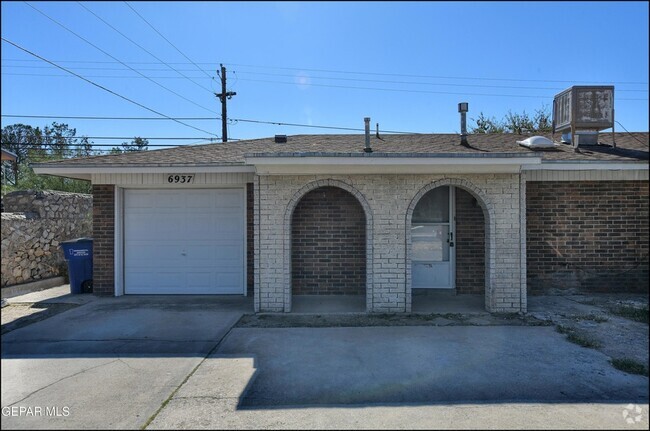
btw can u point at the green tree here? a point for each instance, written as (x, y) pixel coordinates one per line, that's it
(31, 145)
(137, 144)
(486, 125)
(540, 122)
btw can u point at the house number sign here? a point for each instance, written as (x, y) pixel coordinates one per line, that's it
(180, 179)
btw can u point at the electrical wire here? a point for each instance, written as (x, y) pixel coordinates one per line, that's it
(104, 88)
(133, 137)
(398, 90)
(315, 77)
(142, 48)
(80, 117)
(384, 81)
(303, 69)
(167, 40)
(243, 120)
(633, 137)
(118, 60)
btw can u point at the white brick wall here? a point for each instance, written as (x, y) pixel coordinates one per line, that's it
(388, 201)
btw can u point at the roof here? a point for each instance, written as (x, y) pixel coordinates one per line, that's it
(8, 155)
(630, 147)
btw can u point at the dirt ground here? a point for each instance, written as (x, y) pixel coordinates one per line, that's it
(594, 318)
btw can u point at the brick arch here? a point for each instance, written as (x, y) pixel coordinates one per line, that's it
(291, 206)
(490, 227)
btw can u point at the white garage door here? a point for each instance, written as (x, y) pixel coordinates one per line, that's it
(184, 241)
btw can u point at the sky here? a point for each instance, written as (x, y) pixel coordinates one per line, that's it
(406, 65)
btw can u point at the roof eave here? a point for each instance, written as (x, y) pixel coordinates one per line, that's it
(331, 163)
(85, 172)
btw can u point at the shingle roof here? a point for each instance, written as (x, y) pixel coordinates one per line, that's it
(629, 147)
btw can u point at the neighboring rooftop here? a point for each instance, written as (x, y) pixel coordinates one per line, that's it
(630, 147)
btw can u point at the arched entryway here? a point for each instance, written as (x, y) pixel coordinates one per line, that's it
(328, 252)
(447, 233)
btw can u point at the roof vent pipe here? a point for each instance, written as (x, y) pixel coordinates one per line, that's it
(367, 149)
(463, 107)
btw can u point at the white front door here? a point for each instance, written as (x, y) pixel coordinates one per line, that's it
(432, 240)
(184, 241)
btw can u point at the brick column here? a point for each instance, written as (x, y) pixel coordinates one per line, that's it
(103, 240)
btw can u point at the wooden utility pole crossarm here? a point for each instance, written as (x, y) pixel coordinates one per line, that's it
(224, 96)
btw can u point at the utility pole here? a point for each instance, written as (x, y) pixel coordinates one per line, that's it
(223, 96)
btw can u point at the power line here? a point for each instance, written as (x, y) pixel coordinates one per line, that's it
(81, 117)
(401, 90)
(317, 77)
(398, 90)
(78, 144)
(104, 88)
(167, 40)
(243, 120)
(628, 132)
(425, 76)
(417, 83)
(133, 137)
(116, 59)
(142, 48)
(370, 73)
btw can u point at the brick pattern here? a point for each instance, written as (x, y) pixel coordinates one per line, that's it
(587, 236)
(388, 202)
(470, 244)
(103, 240)
(328, 244)
(250, 242)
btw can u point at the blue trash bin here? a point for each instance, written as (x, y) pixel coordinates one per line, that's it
(79, 255)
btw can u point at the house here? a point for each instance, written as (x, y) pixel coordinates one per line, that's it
(334, 215)
(7, 155)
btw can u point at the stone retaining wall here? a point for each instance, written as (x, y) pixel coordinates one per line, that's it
(33, 226)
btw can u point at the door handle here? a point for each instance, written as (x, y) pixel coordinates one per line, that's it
(450, 239)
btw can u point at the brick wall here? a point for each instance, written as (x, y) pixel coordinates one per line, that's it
(470, 244)
(103, 239)
(387, 201)
(250, 232)
(328, 244)
(587, 236)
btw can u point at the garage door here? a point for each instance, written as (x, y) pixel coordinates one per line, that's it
(184, 241)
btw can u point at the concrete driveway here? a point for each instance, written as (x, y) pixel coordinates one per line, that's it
(174, 363)
(110, 363)
(499, 377)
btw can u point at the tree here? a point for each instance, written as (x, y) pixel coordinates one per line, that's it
(137, 144)
(31, 145)
(541, 122)
(486, 125)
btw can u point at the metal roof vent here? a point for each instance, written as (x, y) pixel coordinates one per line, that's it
(537, 142)
(367, 149)
(463, 107)
(280, 139)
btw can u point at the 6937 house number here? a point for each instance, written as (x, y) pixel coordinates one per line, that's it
(180, 179)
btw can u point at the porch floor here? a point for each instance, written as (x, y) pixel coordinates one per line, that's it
(433, 301)
(328, 304)
(446, 301)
